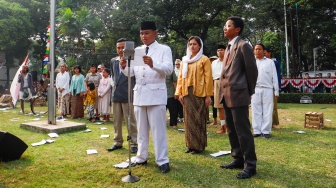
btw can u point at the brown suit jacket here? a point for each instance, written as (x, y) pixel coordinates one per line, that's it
(239, 77)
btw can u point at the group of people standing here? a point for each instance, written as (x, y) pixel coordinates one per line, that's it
(77, 91)
(239, 74)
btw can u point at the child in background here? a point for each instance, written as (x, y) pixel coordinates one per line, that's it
(90, 101)
(104, 94)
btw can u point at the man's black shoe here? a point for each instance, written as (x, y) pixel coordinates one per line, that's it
(196, 152)
(114, 147)
(137, 163)
(256, 135)
(267, 135)
(134, 149)
(233, 165)
(246, 173)
(165, 168)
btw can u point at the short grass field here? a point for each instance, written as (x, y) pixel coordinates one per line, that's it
(285, 160)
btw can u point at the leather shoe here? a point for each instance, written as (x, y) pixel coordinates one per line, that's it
(165, 168)
(246, 173)
(134, 149)
(114, 147)
(233, 165)
(138, 163)
(256, 135)
(188, 150)
(267, 135)
(196, 152)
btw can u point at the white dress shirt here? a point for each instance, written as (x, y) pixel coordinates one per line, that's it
(216, 67)
(150, 88)
(267, 75)
(62, 81)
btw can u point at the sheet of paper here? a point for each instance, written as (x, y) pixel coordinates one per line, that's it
(103, 128)
(91, 151)
(125, 163)
(182, 130)
(98, 123)
(53, 135)
(138, 61)
(132, 160)
(121, 165)
(49, 141)
(39, 143)
(299, 132)
(104, 136)
(220, 153)
(87, 130)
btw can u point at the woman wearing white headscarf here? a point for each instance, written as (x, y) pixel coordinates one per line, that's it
(194, 88)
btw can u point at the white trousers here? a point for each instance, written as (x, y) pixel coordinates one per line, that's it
(262, 109)
(152, 118)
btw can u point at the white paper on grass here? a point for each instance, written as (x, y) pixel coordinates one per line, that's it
(87, 130)
(104, 136)
(299, 132)
(43, 142)
(53, 135)
(98, 123)
(327, 120)
(125, 164)
(103, 128)
(182, 130)
(91, 151)
(50, 141)
(220, 153)
(39, 143)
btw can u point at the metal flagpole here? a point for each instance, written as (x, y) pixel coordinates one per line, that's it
(51, 89)
(286, 37)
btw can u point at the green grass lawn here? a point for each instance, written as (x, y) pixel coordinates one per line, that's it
(285, 160)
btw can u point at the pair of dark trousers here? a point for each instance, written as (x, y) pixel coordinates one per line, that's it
(179, 109)
(172, 107)
(240, 135)
(214, 110)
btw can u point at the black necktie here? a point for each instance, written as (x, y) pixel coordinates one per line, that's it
(147, 50)
(228, 54)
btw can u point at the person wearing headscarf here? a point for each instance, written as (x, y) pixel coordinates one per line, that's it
(194, 88)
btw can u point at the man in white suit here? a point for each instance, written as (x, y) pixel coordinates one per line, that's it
(150, 96)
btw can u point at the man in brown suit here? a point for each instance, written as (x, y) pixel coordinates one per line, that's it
(238, 80)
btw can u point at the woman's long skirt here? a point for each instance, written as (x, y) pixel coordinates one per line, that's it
(195, 121)
(77, 107)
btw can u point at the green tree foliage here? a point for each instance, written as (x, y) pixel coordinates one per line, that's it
(82, 23)
(16, 28)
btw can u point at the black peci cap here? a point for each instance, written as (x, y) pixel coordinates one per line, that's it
(146, 25)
